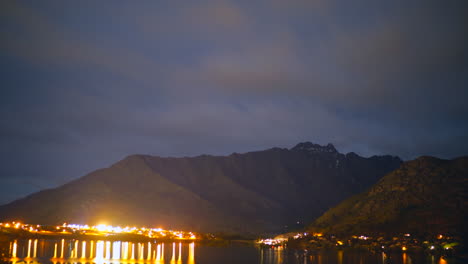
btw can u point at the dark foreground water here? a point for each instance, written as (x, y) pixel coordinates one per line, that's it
(35, 251)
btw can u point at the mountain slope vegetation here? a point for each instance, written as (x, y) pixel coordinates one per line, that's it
(426, 195)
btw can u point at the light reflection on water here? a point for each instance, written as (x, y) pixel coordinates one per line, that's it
(98, 252)
(34, 251)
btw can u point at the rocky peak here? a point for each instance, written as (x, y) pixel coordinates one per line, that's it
(314, 148)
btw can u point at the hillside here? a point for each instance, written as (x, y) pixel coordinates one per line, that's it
(255, 192)
(424, 196)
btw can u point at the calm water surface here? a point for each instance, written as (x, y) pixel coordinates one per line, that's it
(39, 251)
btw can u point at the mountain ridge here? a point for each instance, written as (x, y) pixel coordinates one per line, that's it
(254, 192)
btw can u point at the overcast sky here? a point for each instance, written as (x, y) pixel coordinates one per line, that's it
(86, 83)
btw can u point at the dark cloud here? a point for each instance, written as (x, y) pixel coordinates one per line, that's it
(87, 83)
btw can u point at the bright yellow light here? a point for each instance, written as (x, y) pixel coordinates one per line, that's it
(403, 248)
(29, 249)
(173, 252)
(83, 249)
(191, 254)
(116, 250)
(101, 228)
(13, 252)
(158, 252)
(55, 251)
(99, 251)
(61, 249)
(35, 249)
(108, 250)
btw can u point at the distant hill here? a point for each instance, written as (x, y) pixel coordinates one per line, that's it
(424, 196)
(255, 192)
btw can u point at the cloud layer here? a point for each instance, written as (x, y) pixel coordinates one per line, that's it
(85, 84)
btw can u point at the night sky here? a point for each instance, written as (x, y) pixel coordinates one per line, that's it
(86, 83)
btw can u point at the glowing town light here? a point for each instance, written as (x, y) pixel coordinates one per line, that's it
(191, 254)
(173, 252)
(99, 251)
(125, 250)
(158, 252)
(55, 251)
(35, 249)
(29, 249)
(140, 251)
(13, 251)
(91, 250)
(116, 250)
(108, 249)
(62, 248)
(83, 249)
(75, 250)
(101, 228)
(403, 248)
(180, 252)
(149, 251)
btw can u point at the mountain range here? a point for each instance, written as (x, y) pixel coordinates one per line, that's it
(258, 192)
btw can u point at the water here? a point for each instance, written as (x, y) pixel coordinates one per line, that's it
(40, 251)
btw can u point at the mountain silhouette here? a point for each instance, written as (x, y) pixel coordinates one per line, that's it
(252, 193)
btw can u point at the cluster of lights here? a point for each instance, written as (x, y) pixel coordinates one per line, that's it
(404, 245)
(271, 241)
(102, 229)
(299, 235)
(281, 239)
(19, 225)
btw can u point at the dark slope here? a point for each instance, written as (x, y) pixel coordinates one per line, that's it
(425, 196)
(253, 192)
